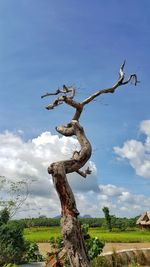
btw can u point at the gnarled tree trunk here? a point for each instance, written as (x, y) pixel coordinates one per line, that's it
(71, 230)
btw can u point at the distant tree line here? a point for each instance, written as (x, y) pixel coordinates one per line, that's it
(121, 224)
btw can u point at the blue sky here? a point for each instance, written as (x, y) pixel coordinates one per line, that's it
(45, 44)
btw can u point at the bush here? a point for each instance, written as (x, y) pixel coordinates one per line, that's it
(32, 252)
(4, 216)
(12, 244)
(94, 247)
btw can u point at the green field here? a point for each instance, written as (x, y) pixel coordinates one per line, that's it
(43, 234)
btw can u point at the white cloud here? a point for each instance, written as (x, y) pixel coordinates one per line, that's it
(110, 190)
(133, 203)
(145, 127)
(126, 197)
(122, 202)
(29, 160)
(138, 152)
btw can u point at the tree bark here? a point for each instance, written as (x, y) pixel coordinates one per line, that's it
(71, 229)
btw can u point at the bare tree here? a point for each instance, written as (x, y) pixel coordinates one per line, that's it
(13, 194)
(71, 230)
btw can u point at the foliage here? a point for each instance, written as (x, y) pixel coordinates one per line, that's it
(120, 224)
(12, 244)
(32, 252)
(85, 228)
(4, 216)
(123, 224)
(107, 218)
(40, 222)
(13, 247)
(92, 222)
(94, 247)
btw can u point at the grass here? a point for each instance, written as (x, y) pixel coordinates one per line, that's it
(43, 234)
(127, 237)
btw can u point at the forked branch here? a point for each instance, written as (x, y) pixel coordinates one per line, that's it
(71, 230)
(132, 77)
(66, 94)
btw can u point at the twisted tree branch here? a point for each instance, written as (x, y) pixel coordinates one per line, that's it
(71, 229)
(69, 99)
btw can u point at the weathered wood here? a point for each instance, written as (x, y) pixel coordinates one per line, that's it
(71, 229)
(73, 241)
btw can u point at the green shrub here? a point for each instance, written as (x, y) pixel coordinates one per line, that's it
(4, 216)
(12, 244)
(32, 252)
(85, 228)
(94, 247)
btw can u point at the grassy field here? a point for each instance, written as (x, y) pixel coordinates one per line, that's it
(43, 234)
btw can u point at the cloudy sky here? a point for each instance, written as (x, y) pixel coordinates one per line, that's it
(45, 44)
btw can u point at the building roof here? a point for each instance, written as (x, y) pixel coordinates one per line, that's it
(144, 219)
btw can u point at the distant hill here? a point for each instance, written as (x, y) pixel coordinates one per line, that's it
(86, 216)
(57, 217)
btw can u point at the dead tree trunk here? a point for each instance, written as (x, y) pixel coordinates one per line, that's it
(71, 230)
